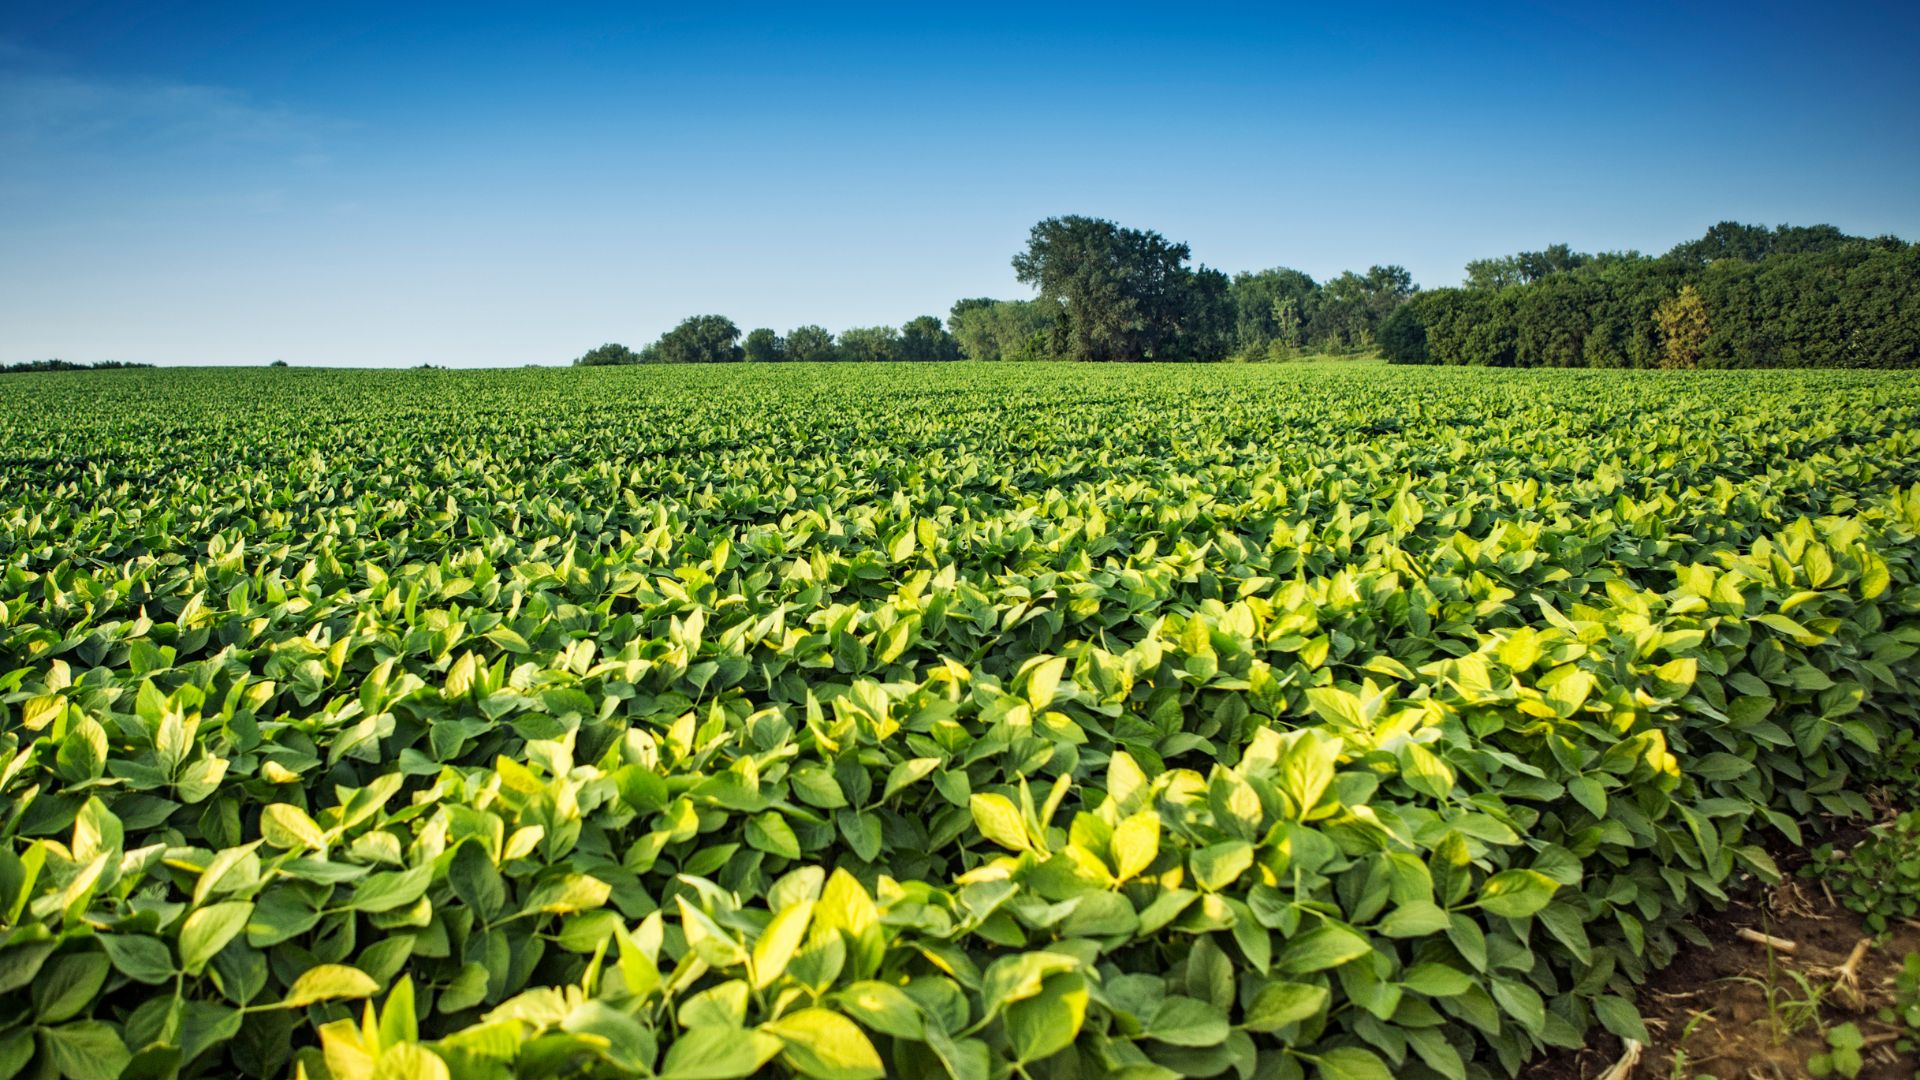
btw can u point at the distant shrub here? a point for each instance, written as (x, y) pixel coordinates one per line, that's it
(66, 365)
(608, 355)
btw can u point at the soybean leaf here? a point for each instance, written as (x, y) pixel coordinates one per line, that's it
(207, 931)
(329, 982)
(823, 1043)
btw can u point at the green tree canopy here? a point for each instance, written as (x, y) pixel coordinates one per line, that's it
(763, 346)
(607, 354)
(925, 339)
(1353, 306)
(1003, 329)
(701, 339)
(1525, 267)
(1751, 243)
(1403, 335)
(1203, 317)
(870, 343)
(1121, 294)
(962, 307)
(1272, 306)
(811, 344)
(27, 366)
(1739, 296)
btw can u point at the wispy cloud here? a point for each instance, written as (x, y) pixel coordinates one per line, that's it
(49, 110)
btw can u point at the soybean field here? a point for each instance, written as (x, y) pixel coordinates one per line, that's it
(965, 720)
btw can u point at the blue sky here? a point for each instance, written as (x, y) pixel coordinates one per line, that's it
(478, 184)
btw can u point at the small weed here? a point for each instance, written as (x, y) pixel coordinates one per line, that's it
(1842, 1056)
(1898, 771)
(1904, 1013)
(1788, 1013)
(1679, 1070)
(1880, 878)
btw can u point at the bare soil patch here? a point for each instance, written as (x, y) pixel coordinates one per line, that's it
(1748, 1007)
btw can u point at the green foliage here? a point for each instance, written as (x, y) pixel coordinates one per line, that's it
(29, 366)
(810, 344)
(1272, 307)
(607, 355)
(1898, 770)
(1682, 324)
(921, 340)
(1280, 312)
(1352, 307)
(1124, 294)
(1842, 1056)
(1002, 329)
(869, 344)
(1879, 878)
(1679, 1066)
(1752, 243)
(763, 346)
(1403, 338)
(1203, 325)
(1742, 296)
(700, 339)
(1790, 1009)
(1904, 1013)
(924, 339)
(952, 720)
(1525, 268)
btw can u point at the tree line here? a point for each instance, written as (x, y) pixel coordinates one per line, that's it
(1105, 292)
(1740, 296)
(29, 366)
(716, 339)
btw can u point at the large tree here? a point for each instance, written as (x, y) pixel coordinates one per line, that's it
(962, 307)
(763, 346)
(1272, 308)
(1525, 267)
(1386, 288)
(699, 339)
(1203, 318)
(1121, 294)
(811, 344)
(1751, 243)
(1353, 306)
(924, 339)
(870, 343)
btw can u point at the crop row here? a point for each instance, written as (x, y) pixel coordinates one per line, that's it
(1337, 722)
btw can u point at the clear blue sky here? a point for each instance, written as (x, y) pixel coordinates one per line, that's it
(475, 183)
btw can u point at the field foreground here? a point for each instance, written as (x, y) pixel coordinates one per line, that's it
(966, 720)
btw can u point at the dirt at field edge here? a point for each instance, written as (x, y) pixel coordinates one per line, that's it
(1739, 1008)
